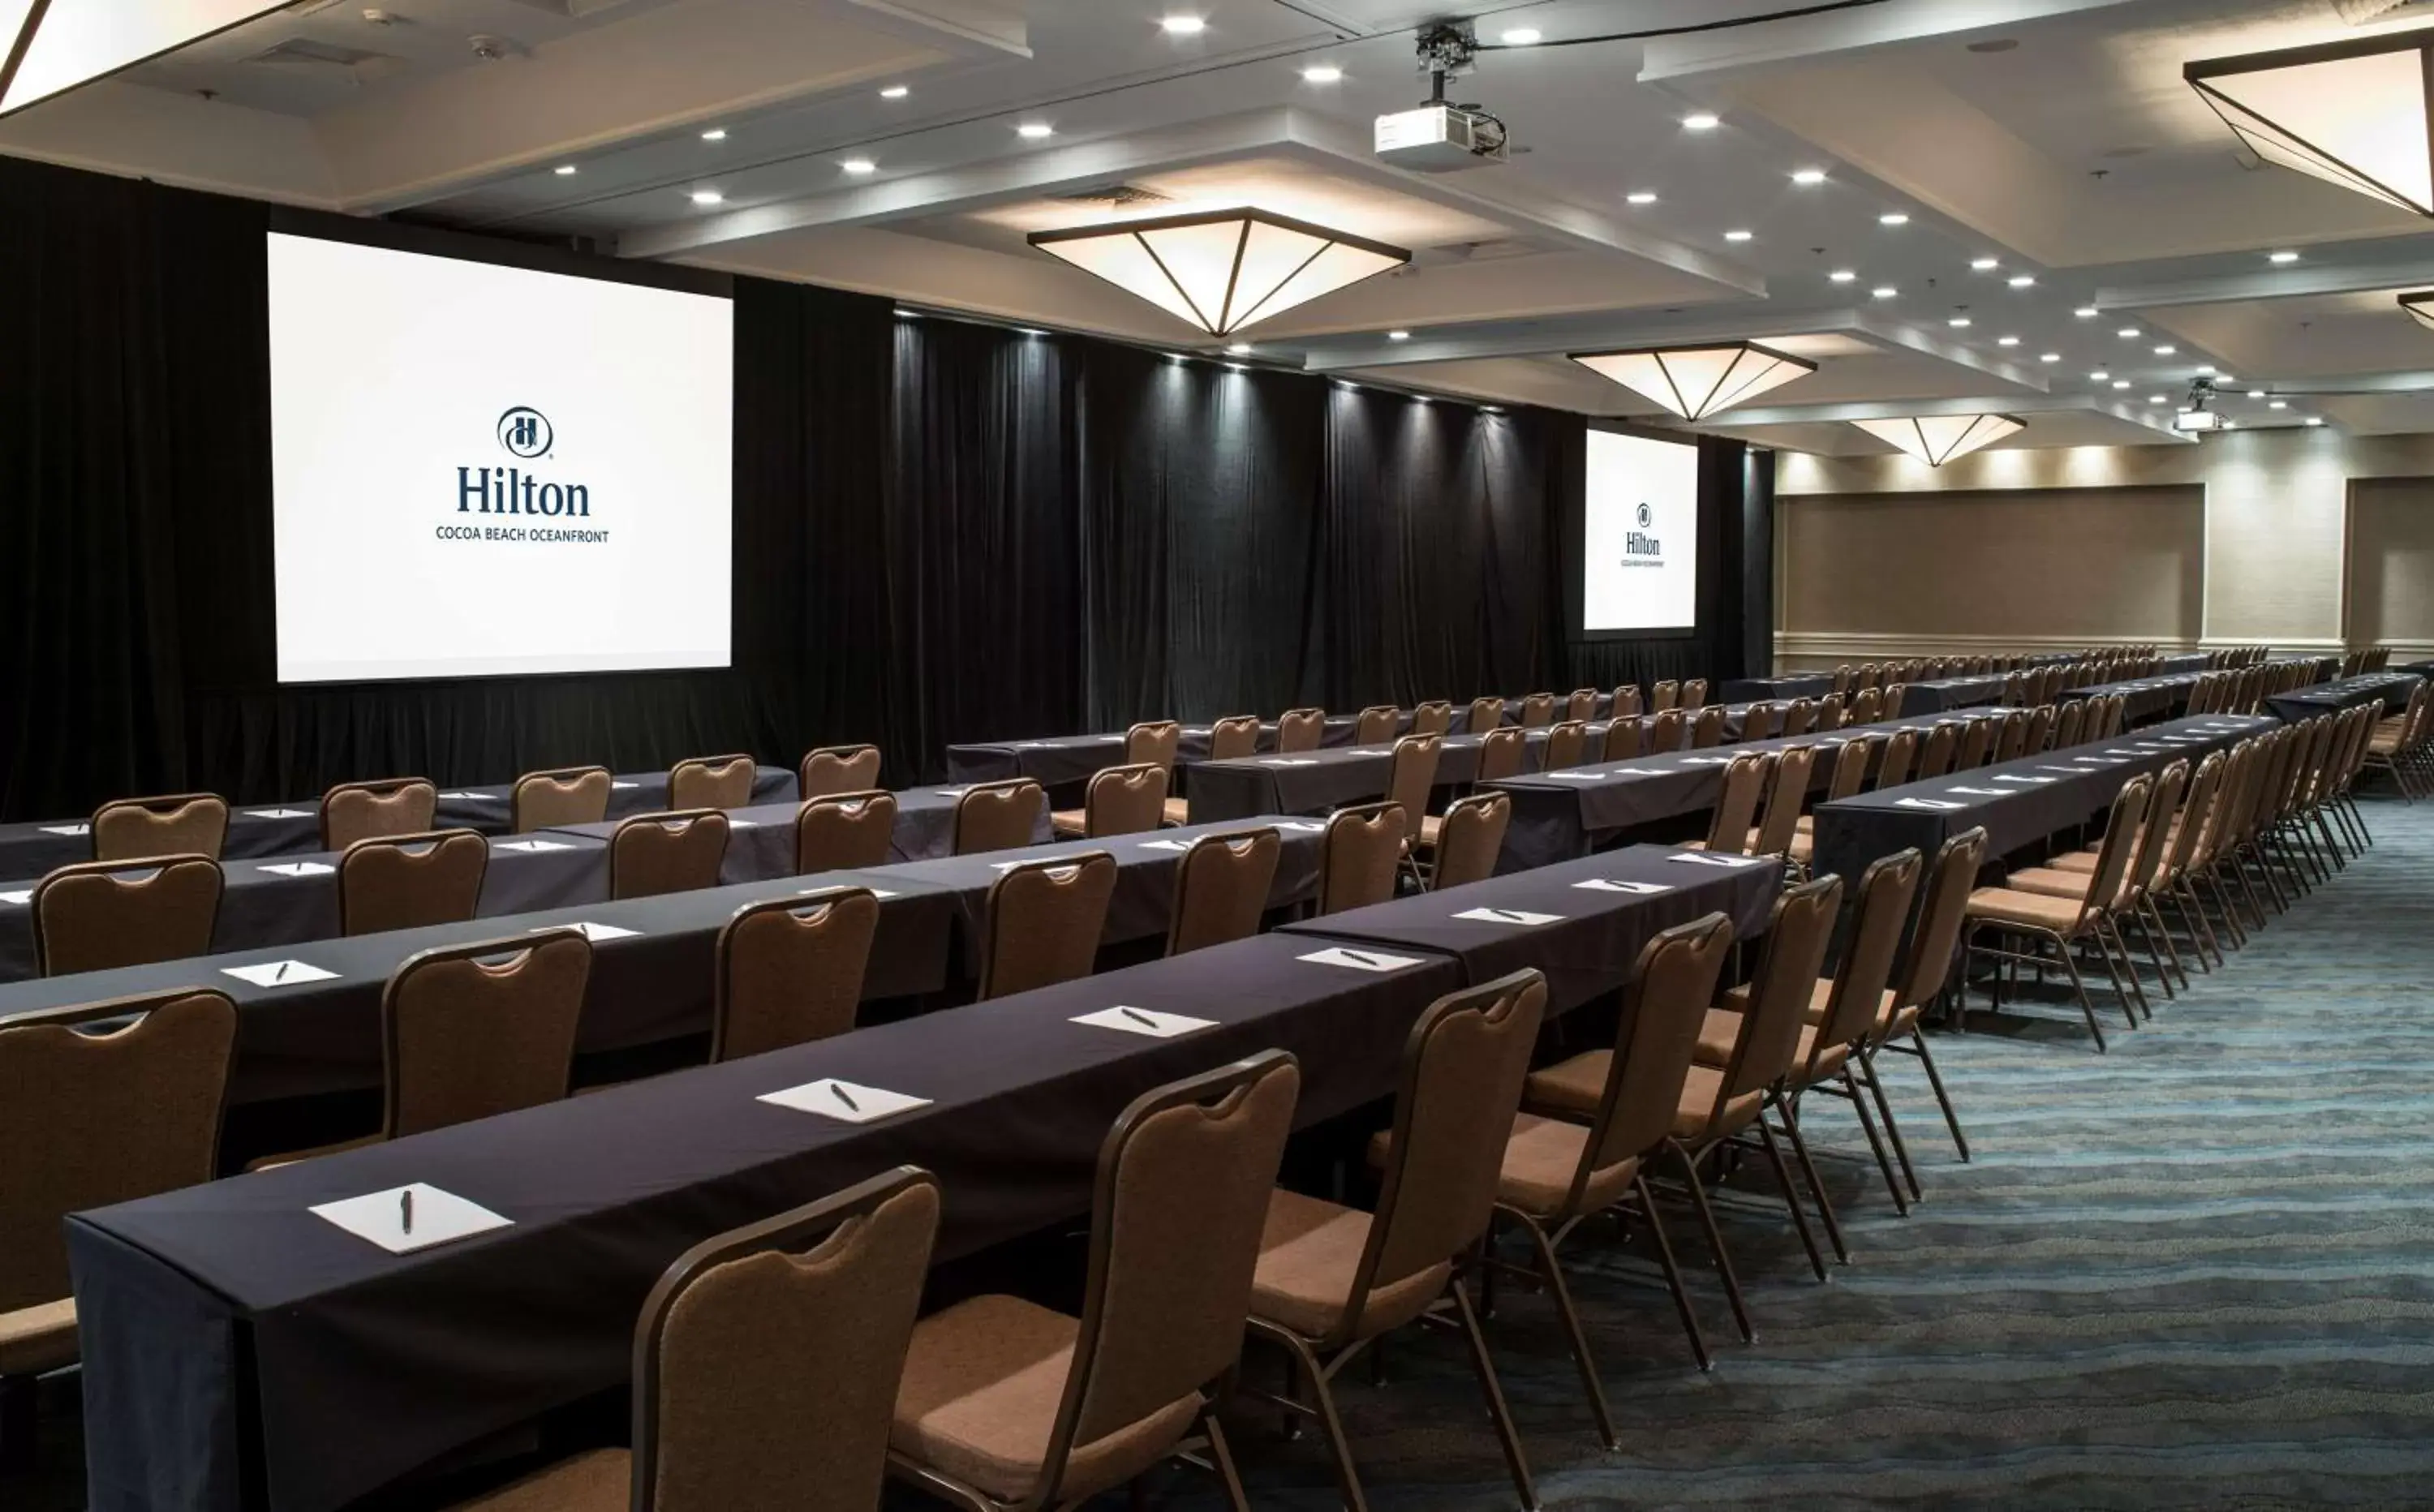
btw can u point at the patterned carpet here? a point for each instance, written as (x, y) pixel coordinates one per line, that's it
(2197, 1271)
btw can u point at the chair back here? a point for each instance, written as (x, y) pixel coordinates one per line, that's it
(374, 810)
(1537, 710)
(999, 816)
(1469, 839)
(1944, 905)
(1414, 773)
(2147, 863)
(1222, 888)
(2121, 831)
(844, 832)
(1375, 725)
(1843, 678)
(1363, 846)
(790, 971)
(675, 852)
(1234, 737)
(1935, 756)
(1664, 695)
(804, 1318)
(2197, 814)
(1762, 722)
(1856, 1003)
(1177, 1210)
(1622, 738)
(1865, 705)
(1735, 811)
(474, 1030)
(1829, 711)
(1566, 744)
(1665, 730)
(570, 795)
(1851, 759)
(100, 915)
(1486, 714)
(1125, 800)
(1501, 753)
(1801, 717)
(1627, 702)
(1464, 1063)
(712, 782)
(1787, 790)
(411, 881)
(88, 1119)
(1043, 923)
(1977, 743)
(1709, 730)
(1893, 767)
(2040, 729)
(837, 769)
(1582, 704)
(2014, 742)
(1694, 692)
(1432, 717)
(1655, 1039)
(1896, 699)
(2069, 724)
(1780, 992)
(1152, 743)
(186, 823)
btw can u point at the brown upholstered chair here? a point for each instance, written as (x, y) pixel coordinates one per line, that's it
(1626, 702)
(1665, 730)
(1896, 699)
(1300, 729)
(1537, 710)
(999, 816)
(1830, 712)
(1486, 714)
(1664, 695)
(1934, 944)
(1568, 745)
(1581, 705)
(1501, 753)
(1332, 1280)
(1867, 706)
(1731, 825)
(800, 1318)
(2064, 922)
(2148, 871)
(1762, 722)
(712, 782)
(1894, 766)
(1129, 800)
(1694, 692)
(1851, 760)
(1708, 730)
(1800, 716)
(1561, 1171)
(1434, 717)
(99, 915)
(1375, 725)
(832, 768)
(411, 881)
(88, 1119)
(1221, 889)
(675, 852)
(1008, 1404)
(1787, 793)
(1234, 737)
(1044, 921)
(1977, 744)
(1153, 743)
(1622, 738)
(1935, 755)
(375, 811)
(1364, 846)
(844, 832)
(570, 795)
(790, 971)
(1463, 845)
(186, 823)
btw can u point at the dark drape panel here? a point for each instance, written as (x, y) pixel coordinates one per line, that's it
(1728, 558)
(1757, 562)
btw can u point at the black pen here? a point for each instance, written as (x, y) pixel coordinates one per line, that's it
(405, 1210)
(1137, 1016)
(839, 1089)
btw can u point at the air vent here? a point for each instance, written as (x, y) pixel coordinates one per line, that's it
(1118, 197)
(572, 10)
(2359, 12)
(304, 52)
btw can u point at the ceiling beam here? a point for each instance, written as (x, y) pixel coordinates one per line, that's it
(1810, 37)
(960, 25)
(2301, 281)
(1740, 420)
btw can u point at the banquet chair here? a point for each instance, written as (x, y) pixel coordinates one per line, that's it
(832, 768)
(1851, 762)
(100, 915)
(2069, 726)
(1843, 675)
(1800, 716)
(1221, 889)
(1622, 738)
(1664, 695)
(1486, 714)
(789, 970)
(1563, 1167)
(1925, 968)
(712, 782)
(1708, 730)
(1867, 705)
(1744, 784)
(1626, 702)
(1364, 848)
(802, 1317)
(1376, 725)
(1234, 737)
(1762, 722)
(676, 852)
(1332, 1280)
(1977, 744)
(1120, 801)
(1694, 692)
(997, 816)
(2040, 730)
(101, 1103)
(1042, 923)
(844, 831)
(1300, 729)
(1665, 730)
(1434, 717)
(1581, 706)
(1152, 743)
(1868, 675)
(1538, 711)
(2068, 922)
(568, 796)
(1787, 793)
(411, 881)
(1463, 845)
(1568, 743)
(1008, 1404)
(1411, 776)
(1830, 712)
(1897, 695)
(1935, 755)
(1501, 753)
(369, 811)
(187, 823)
(1892, 762)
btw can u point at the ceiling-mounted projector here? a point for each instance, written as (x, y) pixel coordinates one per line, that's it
(2197, 417)
(1440, 136)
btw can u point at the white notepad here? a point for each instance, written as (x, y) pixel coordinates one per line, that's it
(1577, 777)
(20, 900)
(847, 1102)
(1711, 859)
(463, 797)
(438, 1217)
(625, 785)
(1707, 761)
(1143, 1021)
(952, 793)
(1289, 761)
(531, 847)
(594, 932)
(1304, 826)
(1358, 960)
(67, 829)
(1979, 792)
(1937, 803)
(278, 813)
(298, 868)
(1609, 884)
(1519, 916)
(1165, 845)
(1638, 772)
(279, 973)
(2013, 778)
(743, 824)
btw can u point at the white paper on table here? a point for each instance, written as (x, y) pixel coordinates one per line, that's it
(66, 829)
(1575, 775)
(594, 932)
(847, 1102)
(463, 797)
(1519, 916)
(532, 847)
(1304, 826)
(1289, 761)
(623, 784)
(1707, 761)
(952, 793)
(278, 813)
(1711, 859)
(297, 867)
(1937, 803)
(1165, 845)
(20, 900)
(1638, 772)
(1980, 792)
(279, 973)
(440, 1217)
(733, 823)
(1132, 1020)
(1358, 960)
(2008, 777)
(1610, 884)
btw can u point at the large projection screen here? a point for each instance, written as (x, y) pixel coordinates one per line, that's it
(1638, 538)
(481, 469)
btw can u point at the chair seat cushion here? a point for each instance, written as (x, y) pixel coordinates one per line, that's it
(38, 1338)
(1541, 1159)
(1308, 1251)
(1693, 1113)
(1178, 811)
(2048, 882)
(2002, 906)
(1071, 821)
(2080, 862)
(1723, 1030)
(1430, 826)
(597, 1482)
(982, 1383)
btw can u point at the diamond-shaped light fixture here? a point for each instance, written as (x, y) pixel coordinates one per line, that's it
(2420, 307)
(1222, 270)
(1936, 439)
(49, 48)
(2355, 114)
(1696, 381)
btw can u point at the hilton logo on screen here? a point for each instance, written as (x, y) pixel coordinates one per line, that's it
(525, 433)
(1639, 543)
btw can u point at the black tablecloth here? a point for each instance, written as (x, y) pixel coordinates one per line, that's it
(2391, 689)
(1950, 693)
(1796, 685)
(2018, 803)
(1318, 782)
(761, 839)
(291, 901)
(1584, 936)
(2186, 661)
(2142, 698)
(486, 808)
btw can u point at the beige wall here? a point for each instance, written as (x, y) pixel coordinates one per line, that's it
(2392, 563)
(2276, 510)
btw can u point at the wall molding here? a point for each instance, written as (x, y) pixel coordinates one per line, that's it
(1802, 649)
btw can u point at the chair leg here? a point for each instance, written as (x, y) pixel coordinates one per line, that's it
(2079, 985)
(1790, 1193)
(1715, 1242)
(2109, 934)
(1876, 1142)
(1552, 1273)
(1808, 1171)
(1221, 1456)
(1673, 1275)
(1348, 1480)
(1494, 1391)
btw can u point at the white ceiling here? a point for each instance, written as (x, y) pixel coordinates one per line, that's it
(2053, 136)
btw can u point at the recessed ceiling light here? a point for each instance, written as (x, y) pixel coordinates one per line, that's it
(1184, 26)
(2024, 280)
(2085, 312)
(2121, 382)
(1035, 130)
(716, 133)
(1884, 291)
(2256, 393)
(2166, 350)
(2007, 341)
(2050, 357)
(1700, 121)
(2315, 419)
(1240, 348)
(1958, 322)
(565, 170)
(2128, 332)
(1809, 175)
(1522, 36)
(2279, 404)
(2231, 425)
(1641, 197)
(2098, 376)
(1843, 276)
(1399, 335)
(707, 197)
(1893, 217)
(1984, 263)
(1322, 74)
(2282, 257)
(858, 165)
(895, 91)
(1737, 236)
(2156, 398)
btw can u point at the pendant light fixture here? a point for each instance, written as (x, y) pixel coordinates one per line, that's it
(1697, 382)
(2355, 114)
(1936, 439)
(1222, 270)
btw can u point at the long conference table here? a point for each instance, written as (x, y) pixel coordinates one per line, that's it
(2390, 688)
(240, 1352)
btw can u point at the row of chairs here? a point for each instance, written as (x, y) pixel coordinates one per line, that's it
(2401, 745)
(2371, 659)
